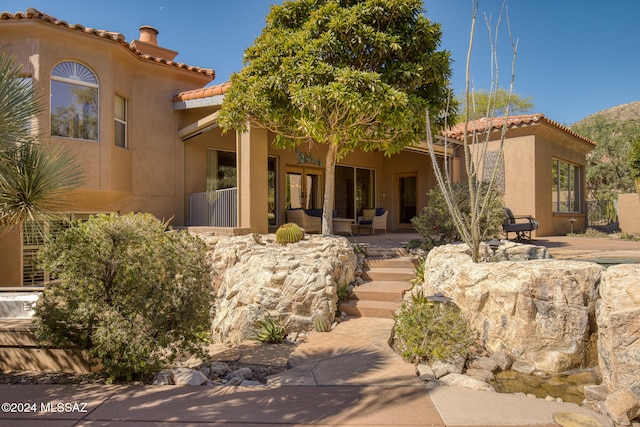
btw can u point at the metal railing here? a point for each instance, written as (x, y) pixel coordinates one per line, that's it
(214, 209)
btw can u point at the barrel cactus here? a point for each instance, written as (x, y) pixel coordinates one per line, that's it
(289, 233)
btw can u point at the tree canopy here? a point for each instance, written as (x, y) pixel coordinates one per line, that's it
(497, 103)
(352, 74)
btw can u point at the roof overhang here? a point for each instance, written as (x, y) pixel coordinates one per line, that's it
(203, 125)
(211, 101)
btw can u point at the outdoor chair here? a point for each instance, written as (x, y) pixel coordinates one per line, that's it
(373, 219)
(310, 224)
(523, 228)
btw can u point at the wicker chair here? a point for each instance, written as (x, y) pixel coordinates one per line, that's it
(310, 224)
(377, 222)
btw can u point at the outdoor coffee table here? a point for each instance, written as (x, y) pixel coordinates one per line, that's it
(342, 225)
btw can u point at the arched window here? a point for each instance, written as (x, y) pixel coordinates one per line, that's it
(74, 101)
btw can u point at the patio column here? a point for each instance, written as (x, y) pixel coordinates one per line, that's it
(253, 180)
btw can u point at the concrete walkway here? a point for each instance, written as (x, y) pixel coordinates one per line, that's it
(347, 377)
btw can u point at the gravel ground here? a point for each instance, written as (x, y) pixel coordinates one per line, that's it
(260, 373)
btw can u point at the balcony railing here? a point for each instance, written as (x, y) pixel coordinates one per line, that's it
(214, 209)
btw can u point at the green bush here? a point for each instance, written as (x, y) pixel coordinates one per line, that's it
(130, 294)
(634, 161)
(434, 222)
(426, 331)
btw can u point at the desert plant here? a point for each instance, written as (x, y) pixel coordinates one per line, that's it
(321, 325)
(343, 293)
(634, 162)
(436, 224)
(271, 331)
(130, 294)
(289, 233)
(359, 249)
(426, 331)
(419, 272)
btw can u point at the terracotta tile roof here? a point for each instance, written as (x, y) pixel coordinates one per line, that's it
(480, 125)
(36, 15)
(201, 93)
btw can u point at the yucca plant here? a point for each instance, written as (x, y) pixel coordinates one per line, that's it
(289, 233)
(34, 180)
(271, 331)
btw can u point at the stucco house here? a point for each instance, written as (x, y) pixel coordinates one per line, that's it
(145, 128)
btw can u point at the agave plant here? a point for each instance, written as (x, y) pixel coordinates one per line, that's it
(271, 331)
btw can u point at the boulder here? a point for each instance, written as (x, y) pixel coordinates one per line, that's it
(623, 405)
(618, 315)
(186, 376)
(538, 311)
(465, 381)
(256, 277)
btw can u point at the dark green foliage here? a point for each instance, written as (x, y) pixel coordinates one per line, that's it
(607, 169)
(289, 233)
(343, 293)
(435, 223)
(271, 331)
(634, 159)
(426, 331)
(130, 294)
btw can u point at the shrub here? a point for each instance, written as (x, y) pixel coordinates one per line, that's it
(633, 161)
(426, 331)
(436, 225)
(130, 294)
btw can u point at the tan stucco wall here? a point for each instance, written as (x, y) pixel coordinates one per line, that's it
(10, 257)
(145, 177)
(628, 208)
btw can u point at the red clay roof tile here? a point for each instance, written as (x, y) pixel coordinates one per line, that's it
(496, 123)
(36, 15)
(201, 93)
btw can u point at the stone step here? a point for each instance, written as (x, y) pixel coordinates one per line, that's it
(389, 274)
(383, 309)
(381, 252)
(400, 262)
(381, 291)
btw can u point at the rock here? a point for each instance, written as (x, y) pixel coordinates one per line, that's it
(618, 315)
(465, 381)
(249, 383)
(596, 393)
(480, 374)
(485, 363)
(243, 373)
(235, 381)
(294, 283)
(163, 377)
(623, 405)
(425, 373)
(440, 369)
(219, 369)
(538, 311)
(185, 376)
(523, 368)
(503, 360)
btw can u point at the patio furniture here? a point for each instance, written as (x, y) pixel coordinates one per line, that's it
(522, 229)
(310, 224)
(373, 219)
(342, 225)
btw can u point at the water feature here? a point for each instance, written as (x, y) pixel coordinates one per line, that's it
(569, 386)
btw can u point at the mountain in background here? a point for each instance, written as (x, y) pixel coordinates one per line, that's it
(613, 129)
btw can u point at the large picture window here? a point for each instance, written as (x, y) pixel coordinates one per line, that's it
(74, 101)
(565, 187)
(355, 191)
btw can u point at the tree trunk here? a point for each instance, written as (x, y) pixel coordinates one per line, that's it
(329, 189)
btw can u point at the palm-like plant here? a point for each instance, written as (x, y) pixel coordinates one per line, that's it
(34, 180)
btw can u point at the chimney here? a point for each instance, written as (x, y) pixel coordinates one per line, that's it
(148, 44)
(149, 35)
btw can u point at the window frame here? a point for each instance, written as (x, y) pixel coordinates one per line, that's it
(572, 188)
(57, 74)
(123, 122)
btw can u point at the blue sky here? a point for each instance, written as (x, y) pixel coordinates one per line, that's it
(576, 57)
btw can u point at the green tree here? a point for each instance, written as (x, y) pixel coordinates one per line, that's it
(351, 74)
(607, 170)
(634, 162)
(497, 103)
(34, 179)
(129, 293)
